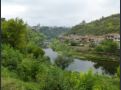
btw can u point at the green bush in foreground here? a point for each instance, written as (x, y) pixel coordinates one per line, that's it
(10, 82)
(9, 57)
(28, 69)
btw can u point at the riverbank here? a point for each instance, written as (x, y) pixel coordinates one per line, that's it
(83, 52)
(85, 58)
(103, 69)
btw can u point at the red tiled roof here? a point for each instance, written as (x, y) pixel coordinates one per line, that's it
(76, 37)
(99, 36)
(91, 37)
(66, 37)
(84, 36)
(62, 40)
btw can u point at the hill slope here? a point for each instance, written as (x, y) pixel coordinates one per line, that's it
(110, 24)
(52, 32)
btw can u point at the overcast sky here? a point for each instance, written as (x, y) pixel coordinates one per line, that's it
(58, 12)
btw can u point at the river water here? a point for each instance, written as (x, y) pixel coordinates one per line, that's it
(102, 67)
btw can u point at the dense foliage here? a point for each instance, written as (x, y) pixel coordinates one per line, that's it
(74, 43)
(14, 32)
(107, 46)
(33, 71)
(9, 57)
(52, 32)
(35, 36)
(102, 26)
(63, 60)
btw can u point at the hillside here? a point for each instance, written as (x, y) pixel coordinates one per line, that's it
(104, 25)
(52, 32)
(35, 36)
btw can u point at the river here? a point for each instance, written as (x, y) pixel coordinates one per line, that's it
(102, 67)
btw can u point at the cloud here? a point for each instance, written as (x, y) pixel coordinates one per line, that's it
(58, 12)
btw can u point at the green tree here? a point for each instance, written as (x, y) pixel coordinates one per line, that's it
(98, 48)
(83, 41)
(38, 51)
(56, 37)
(63, 60)
(13, 32)
(105, 42)
(66, 41)
(113, 46)
(73, 43)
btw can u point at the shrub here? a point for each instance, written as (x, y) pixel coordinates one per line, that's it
(87, 80)
(28, 69)
(31, 48)
(9, 57)
(53, 79)
(38, 51)
(98, 48)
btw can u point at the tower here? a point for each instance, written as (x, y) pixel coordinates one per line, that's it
(39, 24)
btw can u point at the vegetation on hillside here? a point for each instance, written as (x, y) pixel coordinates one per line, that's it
(104, 25)
(24, 66)
(108, 47)
(35, 36)
(52, 32)
(105, 51)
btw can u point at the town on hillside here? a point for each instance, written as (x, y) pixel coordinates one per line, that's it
(91, 38)
(38, 26)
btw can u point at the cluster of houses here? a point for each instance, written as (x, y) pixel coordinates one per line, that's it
(91, 38)
(34, 27)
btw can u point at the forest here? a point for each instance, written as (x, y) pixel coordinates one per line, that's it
(52, 32)
(104, 25)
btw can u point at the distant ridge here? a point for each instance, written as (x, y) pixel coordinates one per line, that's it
(51, 32)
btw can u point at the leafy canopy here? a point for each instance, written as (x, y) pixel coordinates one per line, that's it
(13, 32)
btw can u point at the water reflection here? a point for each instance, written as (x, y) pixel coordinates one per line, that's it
(107, 67)
(103, 67)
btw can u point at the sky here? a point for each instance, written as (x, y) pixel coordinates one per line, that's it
(58, 12)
